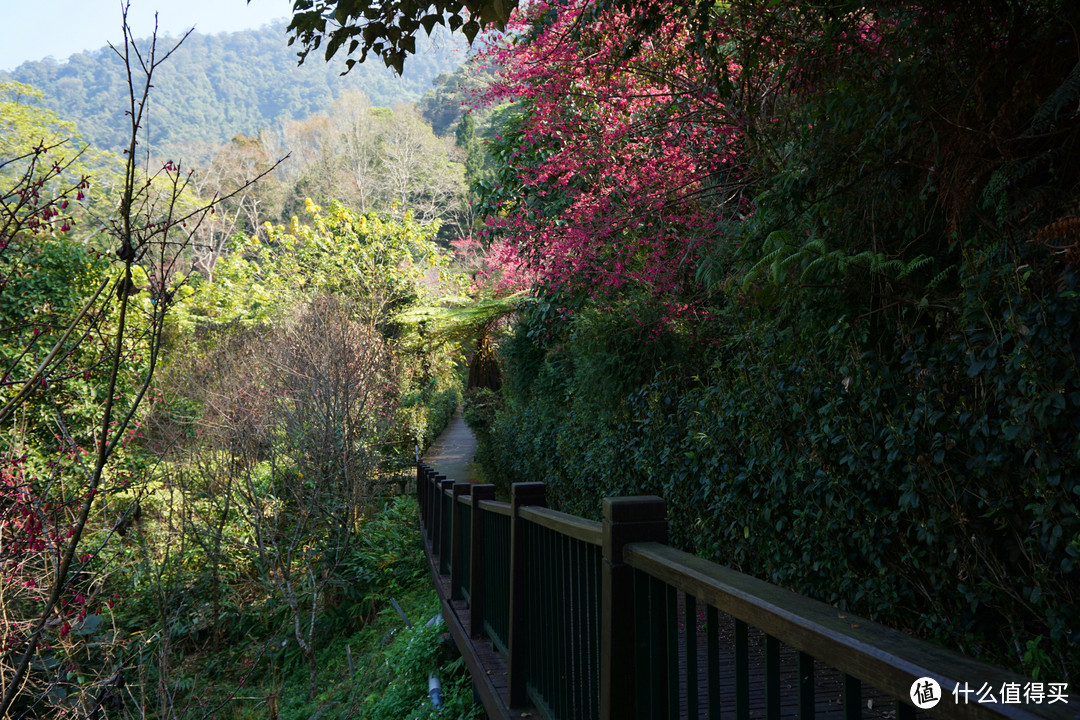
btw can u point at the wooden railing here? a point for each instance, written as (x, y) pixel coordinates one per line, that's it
(604, 620)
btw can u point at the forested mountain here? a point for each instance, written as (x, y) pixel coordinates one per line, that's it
(218, 86)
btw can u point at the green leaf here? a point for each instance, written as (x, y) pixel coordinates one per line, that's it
(470, 29)
(429, 21)
(90, 625)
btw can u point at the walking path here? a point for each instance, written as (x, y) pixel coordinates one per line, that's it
(452, 452)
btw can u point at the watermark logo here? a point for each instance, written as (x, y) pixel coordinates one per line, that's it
(1013, 693)
(925, 693)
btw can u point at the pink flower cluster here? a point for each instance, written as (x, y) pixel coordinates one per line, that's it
(622, 154)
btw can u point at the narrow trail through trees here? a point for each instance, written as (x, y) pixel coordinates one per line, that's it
(452, 452)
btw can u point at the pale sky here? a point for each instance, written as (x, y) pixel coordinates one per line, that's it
(34, 29)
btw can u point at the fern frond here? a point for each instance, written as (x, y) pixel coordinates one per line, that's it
(914, 266)
(940, 277)
(1061, 229)
(769, 259)
(1066, 94)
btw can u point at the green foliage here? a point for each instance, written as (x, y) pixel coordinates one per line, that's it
(183, 547)
(28, 125)
(378, 262)
(932, 488)
(479, 409)
(448, 102)
(24, 123)
(884, 364)
(401, 685)
(426, 411)
(387, 28)
(358, 630)
(814, 261)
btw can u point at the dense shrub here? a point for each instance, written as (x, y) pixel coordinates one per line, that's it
(932, 487)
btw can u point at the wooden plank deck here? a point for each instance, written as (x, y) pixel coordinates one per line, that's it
(828, 682)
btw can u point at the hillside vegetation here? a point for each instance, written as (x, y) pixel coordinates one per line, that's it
(210, 404)
(218, 86)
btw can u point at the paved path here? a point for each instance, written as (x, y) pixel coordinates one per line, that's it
(452, 452)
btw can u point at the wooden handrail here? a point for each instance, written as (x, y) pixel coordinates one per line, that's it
(629, 546)
(496, 506)
(885, 658)
(588, 531)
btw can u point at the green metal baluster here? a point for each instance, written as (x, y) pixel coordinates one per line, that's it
(672, 617)
(562, 612)
(712, 647)
(642, 645)
(447, 527)
(690, 618)
(571, 669)
(852, 698)
(492, 571)
(806, 686)
(658, 675)
(539, 675)
(503, 524)
(504, 586)
(595, 580)
(558, 620)
(466, 548)
(532, 593)
(742, 672)
(554, 639)
(573, 660)
(772, 678)
(580, 634)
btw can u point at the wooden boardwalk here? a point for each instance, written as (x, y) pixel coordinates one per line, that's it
(488, 669)
(486, 665)
(605, 619)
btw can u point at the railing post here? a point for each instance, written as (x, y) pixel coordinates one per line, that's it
(420, 477)
(455, 540)
(427, 474)
(446, 507)
(476, 561)
(521, 495)
(431, 493)
(440, 486)
(428, 520)
(626, 520)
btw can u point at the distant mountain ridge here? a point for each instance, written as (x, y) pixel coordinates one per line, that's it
(218, 86)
